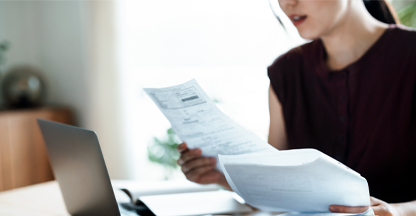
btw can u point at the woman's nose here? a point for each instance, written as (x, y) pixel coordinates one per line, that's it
(285, 4)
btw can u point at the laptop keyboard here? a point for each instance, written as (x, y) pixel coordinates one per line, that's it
(129, 209)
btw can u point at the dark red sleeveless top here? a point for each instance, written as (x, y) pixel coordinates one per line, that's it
(363, 115)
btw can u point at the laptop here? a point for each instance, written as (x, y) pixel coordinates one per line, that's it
(79, 168)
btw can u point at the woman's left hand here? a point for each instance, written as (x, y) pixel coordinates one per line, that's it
(379, 207)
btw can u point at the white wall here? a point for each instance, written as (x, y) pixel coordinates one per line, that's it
(64, 39)
(62, 54)
(16, 26)
(48, 35)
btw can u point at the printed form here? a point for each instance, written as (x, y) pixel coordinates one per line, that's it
(198, 121)
(303, 180)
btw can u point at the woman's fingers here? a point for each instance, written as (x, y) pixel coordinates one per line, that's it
(182, 148)
(212, 176)
(195, 174)
(198, 162)
(189, 155)
(196, 168)
(348, 209)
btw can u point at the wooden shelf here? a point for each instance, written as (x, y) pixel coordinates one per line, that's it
(23, 157)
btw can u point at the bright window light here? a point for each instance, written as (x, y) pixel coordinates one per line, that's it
(226, 45)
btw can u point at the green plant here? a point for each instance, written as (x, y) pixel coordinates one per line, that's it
(407, 15)
(163, 151)
(4, 46)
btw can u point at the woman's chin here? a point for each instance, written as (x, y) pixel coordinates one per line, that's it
(308, 34)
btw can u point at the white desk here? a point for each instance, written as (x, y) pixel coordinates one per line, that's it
(41, 200)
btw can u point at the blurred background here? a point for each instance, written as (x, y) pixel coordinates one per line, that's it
(93, 58)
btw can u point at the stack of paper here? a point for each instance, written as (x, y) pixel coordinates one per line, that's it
(303, 180)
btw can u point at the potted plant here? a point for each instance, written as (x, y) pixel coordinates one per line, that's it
(163, 151)
(4, 46)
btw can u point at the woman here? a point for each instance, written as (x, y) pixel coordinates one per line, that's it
(349, 93)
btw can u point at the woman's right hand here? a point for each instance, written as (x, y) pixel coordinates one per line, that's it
(200, 169)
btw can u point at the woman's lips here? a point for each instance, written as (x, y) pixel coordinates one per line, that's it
(297, 19)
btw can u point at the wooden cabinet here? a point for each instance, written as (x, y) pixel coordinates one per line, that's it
(23, 157)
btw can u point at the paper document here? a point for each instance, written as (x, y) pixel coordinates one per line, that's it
(198, 122)
(303, 180)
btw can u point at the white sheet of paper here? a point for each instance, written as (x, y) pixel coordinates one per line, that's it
(199, 203)
(303, 180)
(198, 122)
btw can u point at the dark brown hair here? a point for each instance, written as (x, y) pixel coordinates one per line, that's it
(382, 11)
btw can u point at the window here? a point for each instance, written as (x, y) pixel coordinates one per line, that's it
(225, 45)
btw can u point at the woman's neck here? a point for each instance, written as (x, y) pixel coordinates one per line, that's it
(350, 40)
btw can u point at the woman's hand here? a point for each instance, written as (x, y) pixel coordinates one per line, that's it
(200, 169)
(379, 207)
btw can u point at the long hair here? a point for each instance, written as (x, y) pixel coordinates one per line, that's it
(382, 11)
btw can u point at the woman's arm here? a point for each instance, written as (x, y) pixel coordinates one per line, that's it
(277, 131)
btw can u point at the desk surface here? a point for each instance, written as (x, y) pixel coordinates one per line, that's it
(43, 199)
(37, 200)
